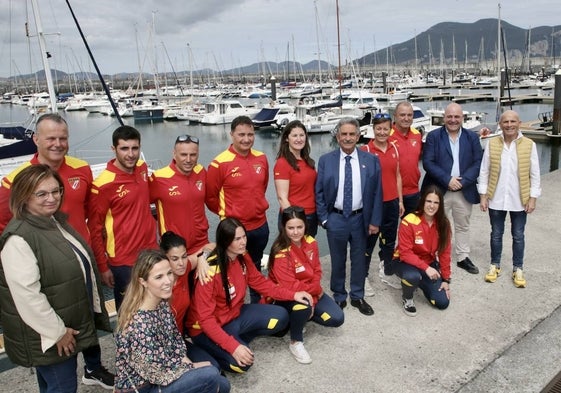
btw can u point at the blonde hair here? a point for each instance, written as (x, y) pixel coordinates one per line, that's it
(134, 294)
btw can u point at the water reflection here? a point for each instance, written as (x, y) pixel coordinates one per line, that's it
(90, 138)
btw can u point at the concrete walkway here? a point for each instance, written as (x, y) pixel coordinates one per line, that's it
(492, 338)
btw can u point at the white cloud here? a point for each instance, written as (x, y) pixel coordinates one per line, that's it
(226, 34)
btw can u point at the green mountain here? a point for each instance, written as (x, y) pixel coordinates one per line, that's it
(478, 40)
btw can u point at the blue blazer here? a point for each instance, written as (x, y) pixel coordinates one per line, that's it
(437, 161)
(327, 184)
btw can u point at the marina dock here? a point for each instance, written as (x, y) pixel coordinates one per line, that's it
(462, 98)
(492, 338)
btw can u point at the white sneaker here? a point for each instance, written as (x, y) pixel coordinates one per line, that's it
(393, 280)
(368, 290)
(299, 352)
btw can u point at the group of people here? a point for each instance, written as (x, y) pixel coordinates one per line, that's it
(182, 316)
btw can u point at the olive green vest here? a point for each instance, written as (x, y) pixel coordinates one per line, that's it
(523, 152)
(62, 282)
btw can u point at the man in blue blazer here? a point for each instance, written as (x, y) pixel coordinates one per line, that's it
(346, 224)
(452, 158)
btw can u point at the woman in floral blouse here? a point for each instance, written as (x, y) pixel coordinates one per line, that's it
(151, 355)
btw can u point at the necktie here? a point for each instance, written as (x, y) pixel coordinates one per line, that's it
(88, 271)
(348, 188)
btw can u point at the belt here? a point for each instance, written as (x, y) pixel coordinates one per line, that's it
(354, 212)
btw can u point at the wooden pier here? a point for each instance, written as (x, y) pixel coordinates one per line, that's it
(481, 97)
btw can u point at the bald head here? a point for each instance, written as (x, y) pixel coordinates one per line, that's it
(453, 118)
(509, 114)
(510, 125)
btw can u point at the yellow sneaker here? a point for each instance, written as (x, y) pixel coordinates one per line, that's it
(518, 278)
(493, 273)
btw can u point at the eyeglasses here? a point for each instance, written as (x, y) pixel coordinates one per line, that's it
(187, 138)
(382, 116)
(44, 195)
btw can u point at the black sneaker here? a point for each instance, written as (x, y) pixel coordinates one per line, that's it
(468, 266)
(100, 377)
(409, 307)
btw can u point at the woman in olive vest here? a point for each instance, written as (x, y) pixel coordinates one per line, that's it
(49, 285)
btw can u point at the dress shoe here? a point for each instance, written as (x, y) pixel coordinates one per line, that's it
(468, 266)
(342, 304)
(362, 306)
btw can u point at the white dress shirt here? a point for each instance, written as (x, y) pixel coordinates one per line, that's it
(507, 192)
(357, 187)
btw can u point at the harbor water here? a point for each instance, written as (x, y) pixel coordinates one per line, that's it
(90, 139)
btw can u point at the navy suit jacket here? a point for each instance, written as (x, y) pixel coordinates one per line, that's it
(437, 161)
(327, 184)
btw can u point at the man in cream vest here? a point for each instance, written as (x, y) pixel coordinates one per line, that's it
(509, 182)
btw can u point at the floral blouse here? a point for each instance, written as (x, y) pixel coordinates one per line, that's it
(150, 350)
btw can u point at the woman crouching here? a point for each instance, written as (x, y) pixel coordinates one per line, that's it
(151, 354)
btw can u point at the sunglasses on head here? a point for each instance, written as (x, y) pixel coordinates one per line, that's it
(382, 116)
(187, 138)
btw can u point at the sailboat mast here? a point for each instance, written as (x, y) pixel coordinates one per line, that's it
(317, 39)
(499, 65)
(339, 77)
(44, 55)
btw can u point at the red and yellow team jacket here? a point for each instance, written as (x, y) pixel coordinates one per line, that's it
(299, 268)
(418, 245)
(77, 178)
(236, 187)
(120, 221)
(180, 203)
(209, 310)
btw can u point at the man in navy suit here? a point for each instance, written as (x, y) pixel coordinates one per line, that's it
(451, 158)
(349, 216)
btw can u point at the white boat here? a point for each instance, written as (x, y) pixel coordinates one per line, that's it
(433, 119)
(124, 109)
(472, 120)
(95, 106)
(193, 113)
(318, 119)
(276, 114)
(223, 112)
(421, 122)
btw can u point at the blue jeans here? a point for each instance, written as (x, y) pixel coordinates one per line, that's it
(122, 277)
(58, 378)
(326, 313)
(256, 242)
(413, 278)
(197, 354)
(387, 236)
(92, 357)
(517, 224)
(254, 320)
(410, 203)
(197, 380)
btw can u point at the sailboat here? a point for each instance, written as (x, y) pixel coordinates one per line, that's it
(16, 143)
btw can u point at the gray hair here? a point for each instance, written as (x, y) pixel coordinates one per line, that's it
(348, 120)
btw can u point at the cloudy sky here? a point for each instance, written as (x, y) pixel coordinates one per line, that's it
(128, 35)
